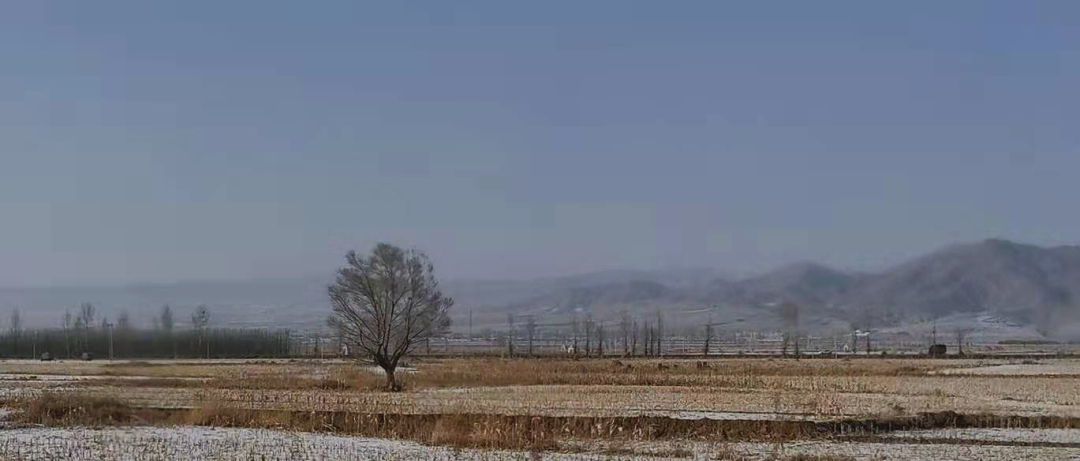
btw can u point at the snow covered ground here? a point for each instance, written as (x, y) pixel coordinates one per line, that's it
(199, 443)
(1046, 367)
(910, 451)
(996, 435)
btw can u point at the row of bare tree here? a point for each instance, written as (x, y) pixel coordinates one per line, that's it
(81, 333)
(148, 344)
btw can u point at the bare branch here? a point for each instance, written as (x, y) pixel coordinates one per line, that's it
(387, 302)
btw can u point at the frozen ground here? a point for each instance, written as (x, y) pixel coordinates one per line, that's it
(1071, 436)
(1031, 368)
(910, 452)
(198, 443)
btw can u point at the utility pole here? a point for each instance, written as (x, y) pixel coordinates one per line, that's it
(470, 324)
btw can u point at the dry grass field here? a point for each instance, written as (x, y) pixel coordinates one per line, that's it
(744, 408)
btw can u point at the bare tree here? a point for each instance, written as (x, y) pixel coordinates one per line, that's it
(16, 328)
(647, 336)
(600, 340)
(387, 302)
(510, 335)
(659, 333)
(16, 322)
(624, 331)
(589, 324)
(124, 329)
(67, 323)
(530, 332)
(961, 336)
(166, 323)
(87, 312)
(789, 313)
(200, 320)
(574, 327)
(166, 318)
(85, 321)
(123, 322)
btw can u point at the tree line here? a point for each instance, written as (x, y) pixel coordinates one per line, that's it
(83, 334)
(589, 337)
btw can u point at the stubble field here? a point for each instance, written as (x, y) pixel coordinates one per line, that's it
(746, 408)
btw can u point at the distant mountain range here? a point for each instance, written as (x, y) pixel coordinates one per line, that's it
(1035, 289)
(1021, 284)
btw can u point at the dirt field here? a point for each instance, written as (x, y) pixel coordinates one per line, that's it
(734, 408)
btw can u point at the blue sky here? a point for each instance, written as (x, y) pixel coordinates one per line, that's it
(154, 141)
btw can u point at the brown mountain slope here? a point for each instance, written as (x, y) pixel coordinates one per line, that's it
(1025, 282)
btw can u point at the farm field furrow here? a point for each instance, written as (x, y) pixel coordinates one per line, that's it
(909, 395)
(451, 407)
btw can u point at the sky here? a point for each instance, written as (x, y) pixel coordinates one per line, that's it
(207, 140)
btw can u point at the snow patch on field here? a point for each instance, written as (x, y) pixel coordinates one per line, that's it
(218, 444)
(903, 451)
(996, 435)
(1053, 368)
(200, 443)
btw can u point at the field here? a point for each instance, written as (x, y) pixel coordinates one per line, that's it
(487, 408)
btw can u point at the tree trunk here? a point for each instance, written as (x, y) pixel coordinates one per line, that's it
(391, 380)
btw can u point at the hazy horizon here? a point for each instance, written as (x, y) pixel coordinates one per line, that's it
(151, 143)
(730, 273)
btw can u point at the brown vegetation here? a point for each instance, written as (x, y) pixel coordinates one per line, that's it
(462, 373)
(52, 409)
(495, 431)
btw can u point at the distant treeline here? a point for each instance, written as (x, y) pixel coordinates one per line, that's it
(1032, 342)
(83, 335)
(130, 343)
